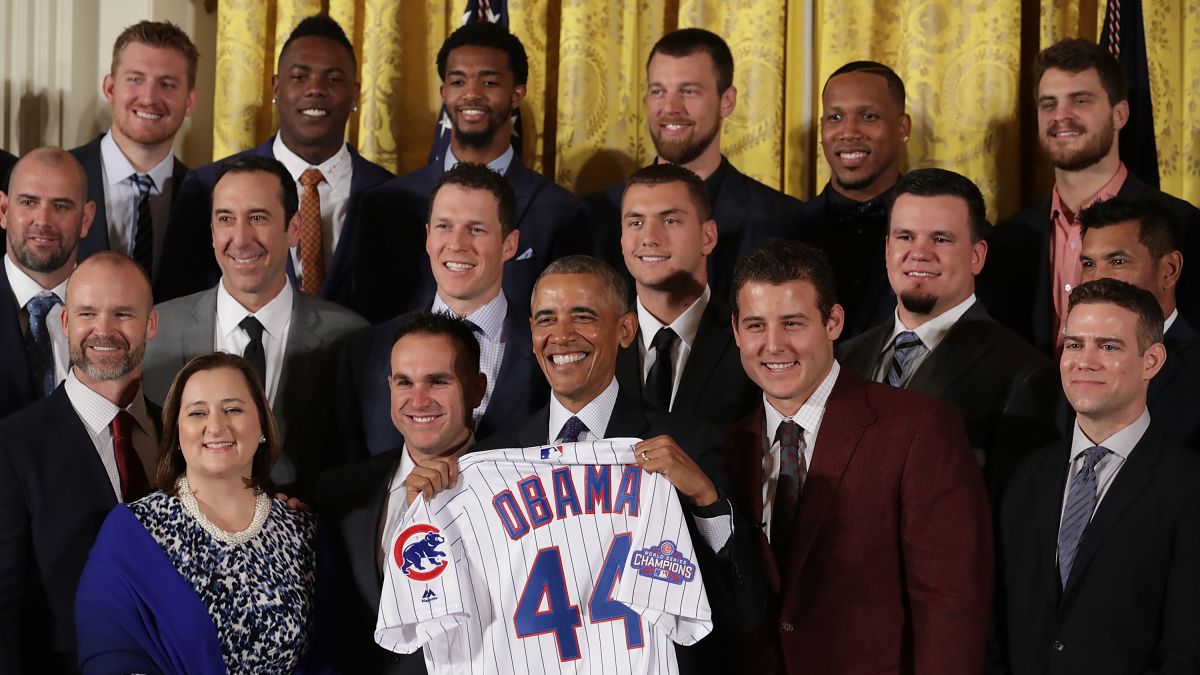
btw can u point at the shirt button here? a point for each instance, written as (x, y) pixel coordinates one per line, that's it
(787, 627)
(1058, 646)
(1067, 287)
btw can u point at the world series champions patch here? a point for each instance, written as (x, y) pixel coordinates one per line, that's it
(663, 562)
(418, 552)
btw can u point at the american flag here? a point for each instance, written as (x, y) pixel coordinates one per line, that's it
(1124, 35)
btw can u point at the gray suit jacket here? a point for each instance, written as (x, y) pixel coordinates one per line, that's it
(304, 405)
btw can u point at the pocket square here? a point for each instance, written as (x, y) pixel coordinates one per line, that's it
(527, 254)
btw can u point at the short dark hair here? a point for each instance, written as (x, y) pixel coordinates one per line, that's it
(614, 282)
(894, 83)
(780, 261)
(171, 463)
(480, 177)
(933, 182)
(663, 173)
(161, 35)
(1158, 230)
(487, 34)
(688, 41)
(1075, 55)
(1127, 296)
(322, 26)
(247, 163)
(441, 323)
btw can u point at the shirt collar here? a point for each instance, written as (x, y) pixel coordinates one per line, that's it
(117, 168)
(810, 414)
(24, 288)
(499, 165)
(274, 316)
(332, 169)
(1120, 443)
(407, 464)
(686, 325)
(595, 415)
(1111, 188)
(1166, 324)
(933, 331)
(97, 412)
(489, 317)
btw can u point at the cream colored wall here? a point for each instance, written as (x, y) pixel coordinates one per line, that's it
(54, 54)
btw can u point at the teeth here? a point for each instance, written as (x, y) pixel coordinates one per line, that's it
(778, 367)
(857, 154)
(459, 267)
(103, 349)
(219, 446)
(566, 359)
(1060, 134)
(422, 420)
(920, 274)
(675, 127)
(653, 258)
(245, 261)
(146, 115)
(313, 112)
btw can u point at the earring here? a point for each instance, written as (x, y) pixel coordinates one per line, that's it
(274, 101)
(262, 439)
(904, 139)
(353, 108)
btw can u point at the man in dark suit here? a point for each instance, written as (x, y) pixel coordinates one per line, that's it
(1099, 535)
(66, 460)
(434, 382)
(1082, 106)
(45, 214)
(315, 89)
(7, 162)
(291, 338)
(684, 359)
(469, 238)
(874, 515)
(132, 176)
(483, 69)
(942, 341)
(1136, 239)
(690, 92)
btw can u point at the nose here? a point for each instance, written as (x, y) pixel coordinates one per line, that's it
(241, 234)
(849, 128)
(316, 87)
(773, 339)
(563, 331)
(419, 398)
(458, 239)
(651, 232)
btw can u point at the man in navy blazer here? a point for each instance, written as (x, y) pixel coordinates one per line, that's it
(483, 69)
(316, 88)
(152, 90)
(469, 238)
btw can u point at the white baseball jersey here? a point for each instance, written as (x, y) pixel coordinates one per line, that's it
(542, 560)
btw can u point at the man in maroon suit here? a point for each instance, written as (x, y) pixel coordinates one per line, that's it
(876, 534)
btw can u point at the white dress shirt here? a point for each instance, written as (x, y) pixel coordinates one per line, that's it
(121, 197)
(97, 413)
(1170, 320)
(1120, 445)
(395, 503)
(334, 192)
(24, 289)
(931, 333)
(492, 338)
(276, 318)
(499, 165)
(686, 325)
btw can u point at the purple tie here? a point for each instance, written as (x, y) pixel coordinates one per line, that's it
(792, 472)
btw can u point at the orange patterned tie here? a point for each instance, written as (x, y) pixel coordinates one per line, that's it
(312, 254)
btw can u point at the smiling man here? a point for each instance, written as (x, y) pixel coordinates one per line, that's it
(942, 342)
(315, 89)
(291, 338)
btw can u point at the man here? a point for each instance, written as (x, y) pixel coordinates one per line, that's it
(483, 69)
(469, 238)
(684, 359)
(67, 460)
(291, 338)
(1082, 105)
(942, 341)
(875, 527)
(132, 176)
(315, 90)
(1099, 534)
(1135, 239)
(45, 214)
(689, 93)
(435, 383)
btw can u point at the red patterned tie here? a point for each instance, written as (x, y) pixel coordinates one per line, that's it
(129, 468)
(312, 253)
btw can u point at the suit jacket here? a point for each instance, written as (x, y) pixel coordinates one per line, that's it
(7, 162)
(891, 557)
(351, 500)
(303, 405)
(1132, 602)
(188, 262)
(16, 379)
(97, 237)
(364, 397)
(394, 276)
(1004, 390)
(1176, 388)
(713, 387)
(1015, 284)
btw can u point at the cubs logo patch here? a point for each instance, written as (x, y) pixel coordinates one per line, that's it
(417, 552)
(663, 562)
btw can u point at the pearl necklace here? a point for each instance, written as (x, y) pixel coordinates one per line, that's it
(262, 508)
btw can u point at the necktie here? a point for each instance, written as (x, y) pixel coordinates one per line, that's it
(312, 251)
(37, 343)
(792, 472)
(255, 352)
(143, 228)
(129, 467)
(904, 348)
(1081, 502)
(572, 430)
(660, 378)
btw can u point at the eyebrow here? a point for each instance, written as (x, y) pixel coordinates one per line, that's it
(1102, 339)
(485, 72)
(687, 83)
(665, 212)
(252, 211)
(232, 399)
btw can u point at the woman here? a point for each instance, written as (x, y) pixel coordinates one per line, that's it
(209, 575)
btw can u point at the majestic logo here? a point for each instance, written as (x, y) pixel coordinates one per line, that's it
(416, 547)
(428, 595)
(553, 452)
(663, 562)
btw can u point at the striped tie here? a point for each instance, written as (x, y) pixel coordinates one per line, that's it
(904, 348)
(143, 225)
(1081, 502)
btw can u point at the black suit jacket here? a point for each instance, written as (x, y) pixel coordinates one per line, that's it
(1015, 284)
(189, 265)
(1174, 392)
(1132, 602)
(97, 237)
(714, 386)
(16, 380)
(1004, 390)
(394, 276)
(7, 162)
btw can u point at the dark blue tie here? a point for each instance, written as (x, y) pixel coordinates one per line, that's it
(907, 343)
(792, 472)
(1077, 512)
(143, 226)
(37, 345)
(572, 430)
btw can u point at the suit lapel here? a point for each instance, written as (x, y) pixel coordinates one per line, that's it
(712, 339)
(363, 531)
(13, 341)
(863, 356)
(628, 420)
(511, 385)
(956, 355)
(304, 338)
(1179, 342)
(525, 187)
(1048, 484)
(199, 338)
(1043, 307)
(629, 368)
(93, 166)
(744, 447)
(535, 430)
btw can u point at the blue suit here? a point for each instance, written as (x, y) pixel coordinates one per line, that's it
(1175, 389)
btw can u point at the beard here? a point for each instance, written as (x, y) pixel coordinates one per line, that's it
(1091, 153)
(861, 183)
(106, 373)
(684, 150)
(916, 303)
(478, 140)
(51, 262)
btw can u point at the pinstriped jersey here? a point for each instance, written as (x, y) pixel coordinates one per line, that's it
(566, 559)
